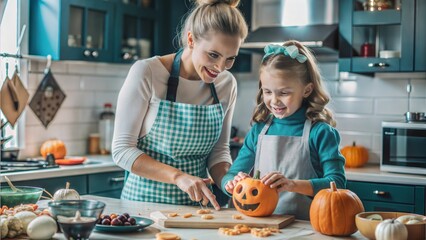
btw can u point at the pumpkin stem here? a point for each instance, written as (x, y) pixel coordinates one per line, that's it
(353, 144)
(333, 186)
(256, 174)
(67, 185)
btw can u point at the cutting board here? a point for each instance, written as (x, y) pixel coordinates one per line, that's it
(221, 218)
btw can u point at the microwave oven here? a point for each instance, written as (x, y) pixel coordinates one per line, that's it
(404, 147)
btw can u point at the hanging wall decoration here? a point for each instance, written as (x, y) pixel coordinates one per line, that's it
(47, 99)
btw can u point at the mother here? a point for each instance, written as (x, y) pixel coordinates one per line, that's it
(174, 112)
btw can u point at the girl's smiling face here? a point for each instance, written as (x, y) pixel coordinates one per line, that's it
(213, 54)
(283, 93)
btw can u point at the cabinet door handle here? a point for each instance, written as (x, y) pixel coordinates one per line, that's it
(86, 53)
(381, 65)
(380, 193)
(117, 179)
(95, 54)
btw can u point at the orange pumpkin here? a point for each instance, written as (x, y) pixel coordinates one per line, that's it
(333, 211)
(253, 198)
(55, 147)
(356, 156)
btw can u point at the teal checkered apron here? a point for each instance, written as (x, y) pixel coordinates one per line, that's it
(182, 136)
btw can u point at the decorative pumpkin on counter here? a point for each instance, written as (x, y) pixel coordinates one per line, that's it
(55, 147)
(66, 194)
(253, 198)
(355, 155)
(391, 229)
(333, 211)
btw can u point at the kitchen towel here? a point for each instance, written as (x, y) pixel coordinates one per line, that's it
(47, 99)
(14, 98)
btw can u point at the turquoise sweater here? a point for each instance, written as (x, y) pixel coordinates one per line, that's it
(324, 141)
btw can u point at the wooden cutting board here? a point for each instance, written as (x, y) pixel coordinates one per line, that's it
(221, 218)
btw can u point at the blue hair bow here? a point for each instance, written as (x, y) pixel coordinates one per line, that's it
(291, 51)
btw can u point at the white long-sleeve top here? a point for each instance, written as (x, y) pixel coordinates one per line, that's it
(136, 111)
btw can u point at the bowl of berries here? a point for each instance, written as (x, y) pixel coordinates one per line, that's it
(119, 223)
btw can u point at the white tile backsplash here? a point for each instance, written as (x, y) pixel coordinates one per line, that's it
(360, 102)
(87, 87)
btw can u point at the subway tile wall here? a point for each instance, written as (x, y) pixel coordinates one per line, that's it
(87, 87)
(360, 102)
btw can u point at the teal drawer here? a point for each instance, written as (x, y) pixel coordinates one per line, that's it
(383, 192)
(110, 194)
(388, 207)
(108, 181)
(361, 64)
(79, 183)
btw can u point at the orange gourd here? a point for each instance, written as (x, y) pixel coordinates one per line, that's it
(333, 211)
(253, 198)
(55, 147)
(356, 156)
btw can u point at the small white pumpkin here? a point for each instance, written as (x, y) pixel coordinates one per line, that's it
(66, 194)
(390, 229)
(26, 217)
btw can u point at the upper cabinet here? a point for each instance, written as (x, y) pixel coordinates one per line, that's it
(72, 29)
(94, 30)
(135, 31)
(381, 36)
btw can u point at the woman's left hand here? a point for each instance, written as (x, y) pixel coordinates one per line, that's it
(279, 181)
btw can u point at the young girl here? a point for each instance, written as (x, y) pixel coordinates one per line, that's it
(293, 142)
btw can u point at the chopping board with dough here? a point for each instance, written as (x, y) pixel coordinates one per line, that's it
(225, 217)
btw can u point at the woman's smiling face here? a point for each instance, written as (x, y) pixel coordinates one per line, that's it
(283, 93)
(213, 54)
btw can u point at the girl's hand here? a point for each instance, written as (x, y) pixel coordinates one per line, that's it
(197, 189)
(277, 180)
(229, 187)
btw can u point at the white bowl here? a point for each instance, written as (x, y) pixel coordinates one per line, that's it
(389, 54)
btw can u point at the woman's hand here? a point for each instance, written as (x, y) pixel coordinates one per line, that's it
(230, 185)
(277, 180)
(197, 189)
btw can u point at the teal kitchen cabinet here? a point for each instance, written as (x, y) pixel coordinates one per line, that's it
(138, 29)
(390, 29)
(72, 29)
(106, 184)
(390, 197)
(420, 40)
(79, 183)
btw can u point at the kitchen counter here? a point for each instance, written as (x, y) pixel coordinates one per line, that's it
(104, 163)
(296, 230)
(93, 164)
(372, 173)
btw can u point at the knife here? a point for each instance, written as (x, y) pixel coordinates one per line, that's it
(13, 94)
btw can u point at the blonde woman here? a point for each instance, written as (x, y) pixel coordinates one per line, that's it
(174, 112)
(293, 141)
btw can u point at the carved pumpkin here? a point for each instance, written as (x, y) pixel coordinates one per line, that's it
(333, 211)
(356, 156)
(55, 147)
(253, 198)
(391, 229)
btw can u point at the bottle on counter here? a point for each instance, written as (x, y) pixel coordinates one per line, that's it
(106, 128)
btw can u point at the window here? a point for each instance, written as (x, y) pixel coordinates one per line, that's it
(9, 22)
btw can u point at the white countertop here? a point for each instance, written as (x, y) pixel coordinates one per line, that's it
(296, 230)
(372, 173)
(104, 163)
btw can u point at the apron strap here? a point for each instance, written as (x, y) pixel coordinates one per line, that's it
(259, 140)
(306, 130)
(173, 82)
